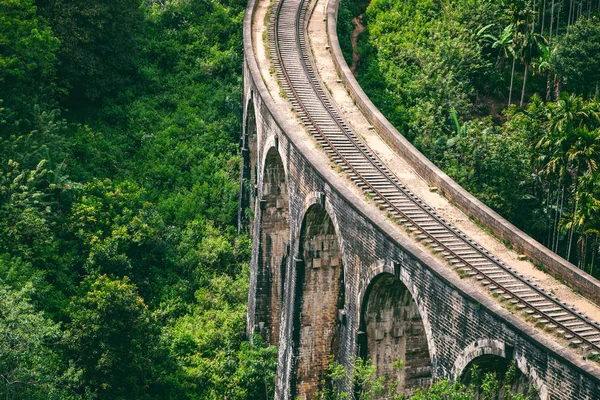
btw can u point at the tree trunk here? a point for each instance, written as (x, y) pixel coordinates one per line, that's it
(585, 247)
(569, 17)
(524, 84)
(594, 250)
(555, 225)
(533, 18)
(543, 18)
(560, 214)
(571, 233)
(548, 87)
(559, 12)
(562, 202)
(512, 76)
(551, 22)
(500, 61)
(548, 243)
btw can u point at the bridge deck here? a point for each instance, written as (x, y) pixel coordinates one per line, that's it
(485, 269)
(400, 167)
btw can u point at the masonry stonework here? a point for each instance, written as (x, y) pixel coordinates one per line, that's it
(273, 248)
(319, 295)
(445, 322)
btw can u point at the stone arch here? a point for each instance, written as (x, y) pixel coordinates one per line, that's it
(392, 329)
(378, 268)
(495, 356)
(249, 174)
(319, 297)
(273, 248)
(270, 142)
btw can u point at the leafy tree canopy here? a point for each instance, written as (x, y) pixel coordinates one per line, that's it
(27, 60)
(98, 46)
(577, 57)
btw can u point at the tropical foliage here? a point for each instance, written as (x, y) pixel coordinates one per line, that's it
(121, 272)
(367, 385)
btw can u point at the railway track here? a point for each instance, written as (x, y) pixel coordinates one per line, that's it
(295, 70)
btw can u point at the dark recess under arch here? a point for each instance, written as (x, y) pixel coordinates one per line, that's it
(391, 330)
(249, 176)
(490, 363)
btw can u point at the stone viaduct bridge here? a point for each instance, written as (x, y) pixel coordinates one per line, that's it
(332, 276)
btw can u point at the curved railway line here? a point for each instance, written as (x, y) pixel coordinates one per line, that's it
(295, 70)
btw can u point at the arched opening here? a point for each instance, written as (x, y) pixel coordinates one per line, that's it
(273, 248)
(393, 337)
(319, 297)
(509, 378)
(249, 177)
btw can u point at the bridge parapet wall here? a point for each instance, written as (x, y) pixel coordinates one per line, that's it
(455, 317)
(523, 243)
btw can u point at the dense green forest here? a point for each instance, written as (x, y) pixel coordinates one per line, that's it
(121, 272)
(503, 95)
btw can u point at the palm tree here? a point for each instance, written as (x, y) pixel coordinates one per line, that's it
(553, 167)
(553, 158)
(586, 218)
(531, 45)
(571, 148)
(584, 153)
(574, 125)
(582, 156)
(542, 65)
(504, 43)
(590, 206)
(523, 41)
